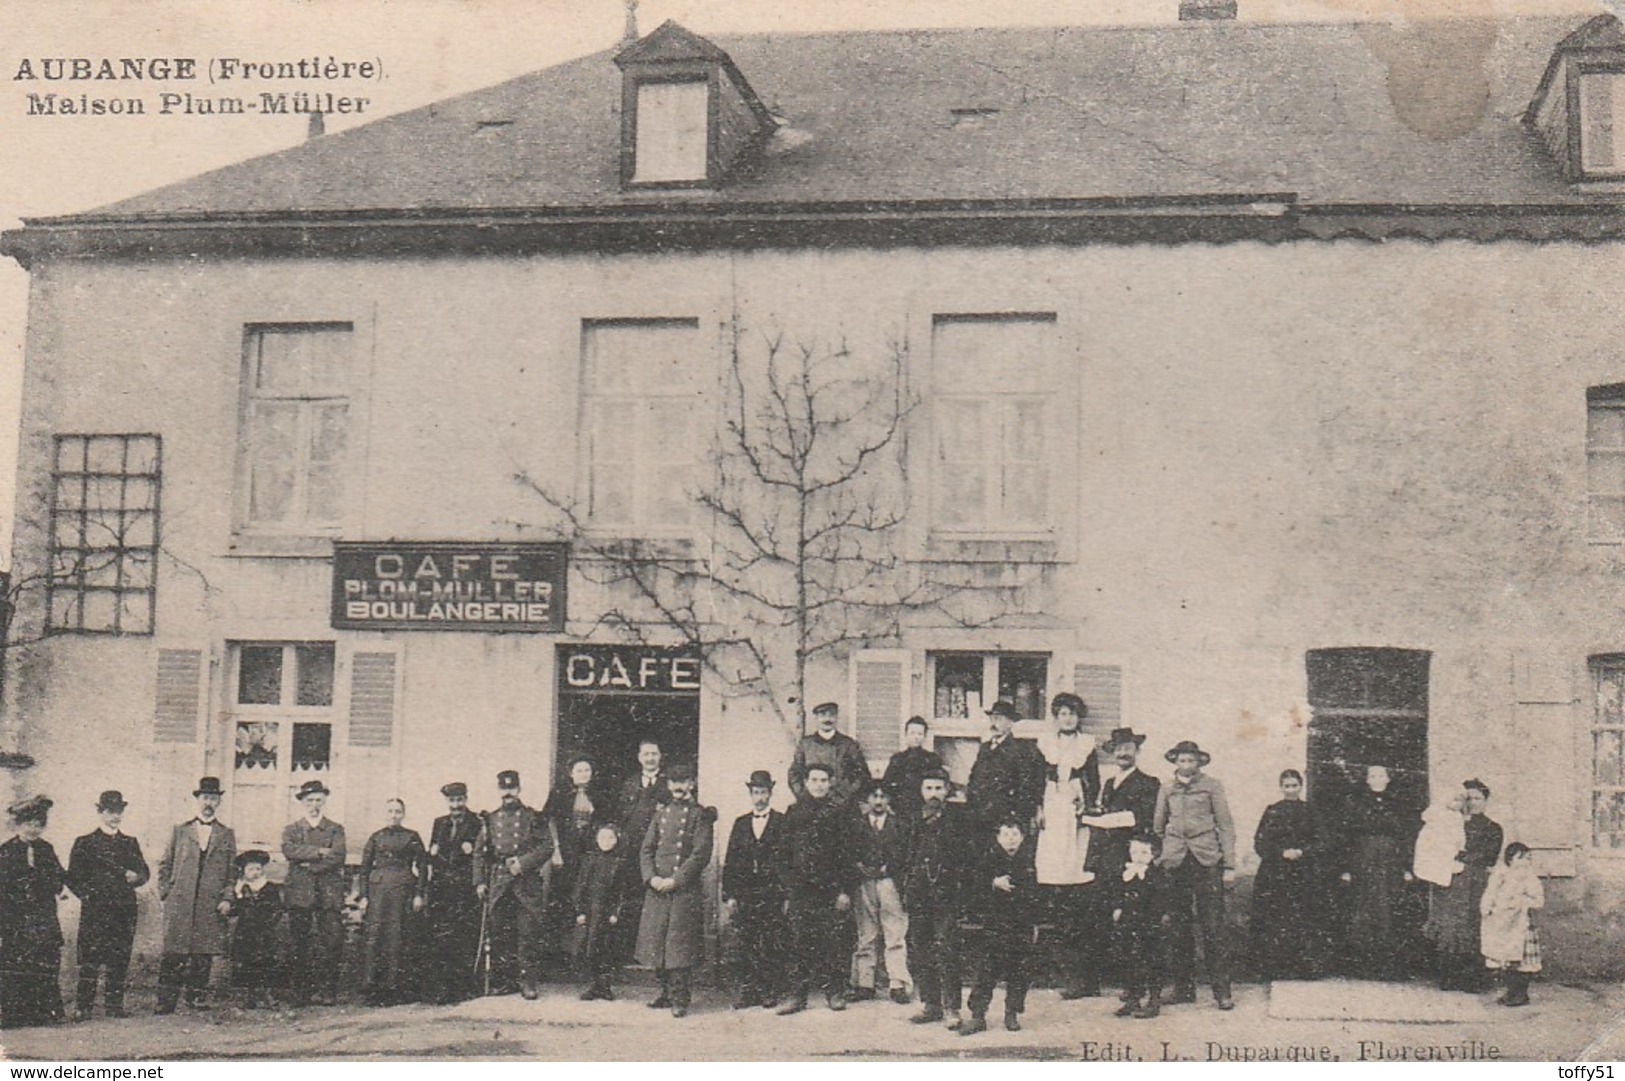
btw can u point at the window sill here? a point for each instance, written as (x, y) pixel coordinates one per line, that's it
(1040, 547)
(276, 546)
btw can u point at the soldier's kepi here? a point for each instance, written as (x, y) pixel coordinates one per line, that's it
(513, 848)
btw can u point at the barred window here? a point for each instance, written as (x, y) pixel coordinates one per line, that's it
(102, 577)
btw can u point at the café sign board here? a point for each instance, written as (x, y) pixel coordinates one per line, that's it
(449, 586)
(617, 669)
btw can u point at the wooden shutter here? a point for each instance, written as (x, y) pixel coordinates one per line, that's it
(178, 700)
(1546, 715)
(373, 699)
(880, 701)
(1101, 688)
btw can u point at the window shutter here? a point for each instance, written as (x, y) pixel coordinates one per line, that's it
(880, 701)
(1101, 688)
(178, 701)
(372, 699)
(1546, 817)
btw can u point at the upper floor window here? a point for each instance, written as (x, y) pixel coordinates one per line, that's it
(1602, 123)
(1605, 463)
(1608, 752)
(298, 383)
(989, 389)
(104, 534)
(673, 131)
(642, 381)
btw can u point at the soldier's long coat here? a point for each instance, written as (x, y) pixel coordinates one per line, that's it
(192, 883)
(671, 933)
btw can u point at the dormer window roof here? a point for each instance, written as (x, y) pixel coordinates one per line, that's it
(689, 119)
(1579, 109)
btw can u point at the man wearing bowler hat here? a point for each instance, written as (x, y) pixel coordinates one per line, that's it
(104, 870)
(1199, 854)
(1007, 779)
(755, 896)
(314, 847)
(512, 849)
(454, 907)
(195, 877)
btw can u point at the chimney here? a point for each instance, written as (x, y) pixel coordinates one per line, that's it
(318, 126)
(1209, 10)
(630, 33)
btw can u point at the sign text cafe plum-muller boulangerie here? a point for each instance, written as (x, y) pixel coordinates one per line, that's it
(448, 586)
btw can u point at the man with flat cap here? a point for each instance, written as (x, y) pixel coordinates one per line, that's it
(454, 906)
(755, 895)
(512, 848)
(195, 877)
(314, 846)
(839, 753)
(104, 869)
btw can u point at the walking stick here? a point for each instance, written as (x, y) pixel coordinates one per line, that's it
(482, 952)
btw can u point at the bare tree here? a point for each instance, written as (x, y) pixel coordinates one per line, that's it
(806, 492)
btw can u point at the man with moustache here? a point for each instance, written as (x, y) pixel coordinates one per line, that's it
(454, 906)
(755, 896)
(195, 877)
(104, 870)
(1007, 779)
(934, 872)
(1198, 834)
(840, 755)
(1128, 807)
(314, 847)
(512, 848)
(674, 854)
(642, 794)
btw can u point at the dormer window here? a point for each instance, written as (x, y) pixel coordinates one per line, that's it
(688, 117)
(673, 130)
(1602, 123)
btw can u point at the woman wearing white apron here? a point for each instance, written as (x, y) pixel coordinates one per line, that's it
(1072, 788)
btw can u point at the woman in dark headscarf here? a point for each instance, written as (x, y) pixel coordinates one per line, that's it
(1453, 918)
(31, 883)
(1377, 847)
(1286, 928)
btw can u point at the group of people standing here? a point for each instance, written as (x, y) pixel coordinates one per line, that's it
(1127, 874)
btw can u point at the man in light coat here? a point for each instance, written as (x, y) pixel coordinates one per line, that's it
(314, 847)
(195, 878)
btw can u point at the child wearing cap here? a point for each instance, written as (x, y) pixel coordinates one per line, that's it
(606, 881)
(1139, 913)
(256, 956)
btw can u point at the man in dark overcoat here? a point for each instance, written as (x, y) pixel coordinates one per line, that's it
(1007, 779)
(640, 796)
(454, 906)
(1128, 804)
(819, 868)
(934, 874)
(755, 896)
(314, 847)
(839, 754)
(908, 767)
(104, 870)
(195, 877)
(512, 849)
(675, 852)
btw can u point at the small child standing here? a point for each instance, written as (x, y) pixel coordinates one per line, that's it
(1139, 911)
(1003, 895)
(1507, 935)
(606, 881)
(256, 956)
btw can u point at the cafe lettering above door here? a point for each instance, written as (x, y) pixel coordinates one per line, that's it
(449, 586)
(592, 669)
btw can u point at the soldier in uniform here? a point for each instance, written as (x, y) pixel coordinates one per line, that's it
(454, 907)
(195, 877)
(819, 868)
(314, 848)
(512, 848)
(676, 850)
(933, 881)
(755, 896)
(104, 870)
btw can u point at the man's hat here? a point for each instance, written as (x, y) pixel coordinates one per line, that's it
(312, 788)
(1188, 746)
(455, 788)
(935, 773)
(759, 778)
(30, 810)
(680, 771)
(826, 707)
(1004, 708)
(111, 800)
(508, 778)
(253, 855)
(208, 786)
(1126, 735)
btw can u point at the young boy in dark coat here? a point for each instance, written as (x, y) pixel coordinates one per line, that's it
(256, 954)
(1003, 899)
(606, 882)
(1139, 913)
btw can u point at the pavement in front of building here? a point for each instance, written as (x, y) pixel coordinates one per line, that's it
(1564, 1022)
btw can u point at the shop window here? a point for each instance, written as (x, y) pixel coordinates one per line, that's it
(643, 379)
(989, 395)
(1608, 752)
(964, 685)
(283, 718)
(296, 427)
(102, 576)
(1605, 463)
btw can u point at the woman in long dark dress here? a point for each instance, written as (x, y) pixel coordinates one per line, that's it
(392, 880)
(31, 883)
(1376, 860)
(574, 809)
(1453, 917)
(1288, 940)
